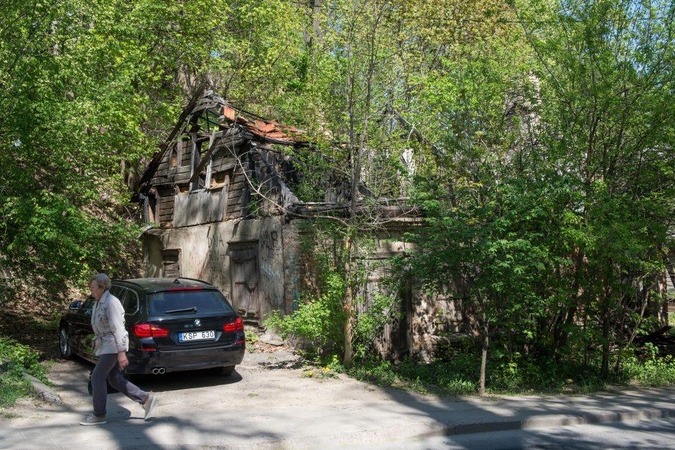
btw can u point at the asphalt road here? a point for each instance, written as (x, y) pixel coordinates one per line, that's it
(648, 434)
(271, 402)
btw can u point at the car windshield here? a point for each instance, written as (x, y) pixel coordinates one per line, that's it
(189, 301)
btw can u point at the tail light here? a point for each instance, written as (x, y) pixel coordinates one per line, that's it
(237, 325)
(146, 330)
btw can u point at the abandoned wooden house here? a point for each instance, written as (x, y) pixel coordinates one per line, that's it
(220, 203)
(219, 200)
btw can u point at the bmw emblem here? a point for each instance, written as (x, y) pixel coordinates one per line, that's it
(198, 322)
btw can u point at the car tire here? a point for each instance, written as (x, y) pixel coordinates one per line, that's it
(65, 348)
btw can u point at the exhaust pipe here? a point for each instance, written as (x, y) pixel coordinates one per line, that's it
(158, 370)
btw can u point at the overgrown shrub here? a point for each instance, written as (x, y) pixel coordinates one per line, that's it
(15, 361)
(650, 369)
(379, 311)
(318, 323)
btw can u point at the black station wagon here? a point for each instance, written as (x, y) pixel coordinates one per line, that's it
(174, 324)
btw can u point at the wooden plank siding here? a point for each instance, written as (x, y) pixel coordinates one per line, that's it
(182, 203)
(166, 204)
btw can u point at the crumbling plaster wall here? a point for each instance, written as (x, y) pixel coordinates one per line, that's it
(287, 269)
(204, 253)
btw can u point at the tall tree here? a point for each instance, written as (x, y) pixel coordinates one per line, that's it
(574, 167)
(89, 90)
(607, 104)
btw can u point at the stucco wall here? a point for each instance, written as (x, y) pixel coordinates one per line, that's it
(271, 257)
(204, 253)
(284, 268)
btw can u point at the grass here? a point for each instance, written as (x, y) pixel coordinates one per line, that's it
(15, 361)
(459, 376)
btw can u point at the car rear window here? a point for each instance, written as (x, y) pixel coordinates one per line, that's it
(177, 302)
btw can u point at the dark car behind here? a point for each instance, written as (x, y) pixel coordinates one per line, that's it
(174, 324)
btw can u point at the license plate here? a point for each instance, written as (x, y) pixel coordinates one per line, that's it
(197, 336)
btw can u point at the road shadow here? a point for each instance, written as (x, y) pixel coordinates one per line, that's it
(76, 377)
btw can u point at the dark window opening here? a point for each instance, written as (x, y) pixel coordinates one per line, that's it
(221, 180)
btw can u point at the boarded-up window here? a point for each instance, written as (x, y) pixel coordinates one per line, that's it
(166, 205)
(171, 262)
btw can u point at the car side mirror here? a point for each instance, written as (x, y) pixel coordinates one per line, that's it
(75, 304)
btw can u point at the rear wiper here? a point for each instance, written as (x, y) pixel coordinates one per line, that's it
(182, 310)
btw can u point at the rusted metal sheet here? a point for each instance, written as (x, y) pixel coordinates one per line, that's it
(266, 129)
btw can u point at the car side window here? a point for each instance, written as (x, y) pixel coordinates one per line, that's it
(130, 303)
(119, 292)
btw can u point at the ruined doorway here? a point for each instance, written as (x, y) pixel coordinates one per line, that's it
(245, 280)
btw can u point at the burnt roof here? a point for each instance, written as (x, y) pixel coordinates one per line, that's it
(221, 114)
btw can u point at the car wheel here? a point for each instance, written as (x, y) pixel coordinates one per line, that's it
(64, 343)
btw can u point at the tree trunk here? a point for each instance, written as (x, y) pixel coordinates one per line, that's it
(483, 364)
(484, 352)
(604, 370)
(349, 307)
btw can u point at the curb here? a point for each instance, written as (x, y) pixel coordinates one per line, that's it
(44, 392)
(553, 420)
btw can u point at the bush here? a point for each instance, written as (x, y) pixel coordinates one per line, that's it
(318, 324)
(15, 361)
(650, 370)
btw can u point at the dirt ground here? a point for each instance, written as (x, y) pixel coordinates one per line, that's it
(33, 327)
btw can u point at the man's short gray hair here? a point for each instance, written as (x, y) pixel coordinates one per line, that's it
(102, 280)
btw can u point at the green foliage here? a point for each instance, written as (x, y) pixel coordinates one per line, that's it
(61, 241)
(318, 322)
(379, 311)
(381, 373)
(651, 371)
(251, 339)
(72, 120)
(456, 375)
(15, 360)
(559, 201)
